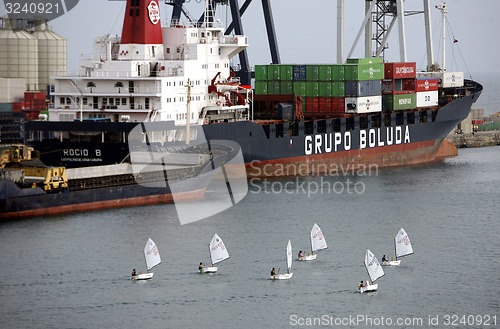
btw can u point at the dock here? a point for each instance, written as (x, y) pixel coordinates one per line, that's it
(476, 139)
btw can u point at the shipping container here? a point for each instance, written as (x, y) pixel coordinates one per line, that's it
(325, 72)
(399, 102)
(300, 88)
(261, 88)
(312, 72)
(312, 89)
(325, 105)
(299, 73)
(312, 104)
(338, 72)
(30, 95)
(273, 72)
(427, 98)
(286, 73)
(261, 73)
(364, 71)
(338, 89)
(273, 87)
(446, 79)
(286, 87)
(338, 104)
(325, 89)
(367, 104)
(369, 60)
(401, 70)
(398, 86)
(363, 88)
(426, 84)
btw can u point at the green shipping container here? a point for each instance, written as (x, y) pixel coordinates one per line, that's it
(312, 72)
(364, 72)
(325, 72)
(261, 87)
(312, 89)
(273, 72)
(286, 87)
(399, 102)
(338, 72)
(325, 89)
(338, 89)
(369, 60)
(273, 87)
(286, 72)
(299, 88)
(260, 72)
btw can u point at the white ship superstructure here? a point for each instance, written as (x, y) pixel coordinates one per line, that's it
(155, 73)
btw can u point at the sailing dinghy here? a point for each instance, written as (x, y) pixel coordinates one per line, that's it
(374, 270)
(288, 274)
(218, 253)
(402, 247)
(152, 256)
(318, 243)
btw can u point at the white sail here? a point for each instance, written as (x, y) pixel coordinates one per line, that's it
(289, 255)
(373, 267)
(152, 254)
(318, 241)
(218, 251)
(402, 244)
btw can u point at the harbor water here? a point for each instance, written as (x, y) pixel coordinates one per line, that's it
(73, 271)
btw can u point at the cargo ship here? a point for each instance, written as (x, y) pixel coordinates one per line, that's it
(296, 119)
(29, 188)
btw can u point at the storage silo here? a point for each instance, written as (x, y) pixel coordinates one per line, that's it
(18, 54)
(52, 59)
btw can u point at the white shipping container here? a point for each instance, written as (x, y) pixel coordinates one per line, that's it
(366, 104)
(446, 79)
(453, 79)
(427, 98)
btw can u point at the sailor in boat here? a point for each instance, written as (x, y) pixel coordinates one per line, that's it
(384, 259)
(133, 274)
(200, 267)
(273, 272)
(361, 284)
(301, 255)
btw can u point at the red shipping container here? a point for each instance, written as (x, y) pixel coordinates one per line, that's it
(312, 104)
(30, 95)
(409, 84)
(338, 104)
(424, 84)
(325, 104)
(17, 106)
(403, 70)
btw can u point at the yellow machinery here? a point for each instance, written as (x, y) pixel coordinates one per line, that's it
(49, 178)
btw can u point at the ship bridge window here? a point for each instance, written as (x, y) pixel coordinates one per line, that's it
(423, 116)
(400, 119)
(308, 127)
(84, 100)
(410, 118)
(376, 121)
(363, 123)
(321, 126)
(349, 124)
(336, 125)
(387, 119)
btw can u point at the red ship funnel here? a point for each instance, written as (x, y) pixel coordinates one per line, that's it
(141, 24)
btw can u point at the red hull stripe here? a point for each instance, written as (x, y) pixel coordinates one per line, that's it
(100, 205)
